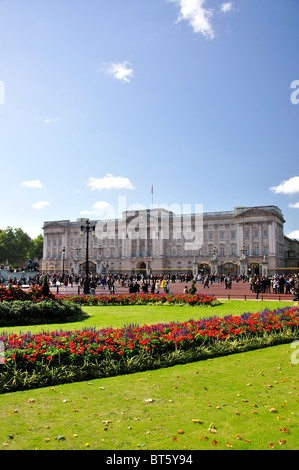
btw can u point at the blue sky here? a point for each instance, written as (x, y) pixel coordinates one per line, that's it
(101, 99)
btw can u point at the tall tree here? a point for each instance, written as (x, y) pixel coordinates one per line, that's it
(16, 246)
(36, 250)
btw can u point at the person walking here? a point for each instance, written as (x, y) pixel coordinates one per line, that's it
(92, 287)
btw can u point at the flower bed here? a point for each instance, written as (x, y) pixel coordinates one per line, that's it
(35, 294)
(66, 356)
(141, 299)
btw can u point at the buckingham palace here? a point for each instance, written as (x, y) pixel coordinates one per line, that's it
(247, 240)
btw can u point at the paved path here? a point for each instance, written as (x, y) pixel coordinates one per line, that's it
(237, 291)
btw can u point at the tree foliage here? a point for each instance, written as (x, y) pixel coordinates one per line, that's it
(16, 246)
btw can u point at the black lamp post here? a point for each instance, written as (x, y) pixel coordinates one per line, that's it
(87, 229)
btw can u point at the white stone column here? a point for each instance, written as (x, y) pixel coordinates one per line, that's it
(260, 229)
(45, 246)
(251, 244)
(272, 243)
(265, 268)
(240, 236)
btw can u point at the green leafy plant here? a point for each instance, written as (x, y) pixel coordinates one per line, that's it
(46, 287)
(193, 289)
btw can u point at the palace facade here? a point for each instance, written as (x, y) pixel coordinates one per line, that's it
(247, 240)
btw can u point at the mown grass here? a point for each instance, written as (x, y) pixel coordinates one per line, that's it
(250, 400)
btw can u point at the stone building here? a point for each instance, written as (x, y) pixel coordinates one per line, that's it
(245, 240)
(291, 249)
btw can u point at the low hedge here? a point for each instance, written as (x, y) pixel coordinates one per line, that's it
(25, 312)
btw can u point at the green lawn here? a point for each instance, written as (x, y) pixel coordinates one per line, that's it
(243, 401)
(249, 399)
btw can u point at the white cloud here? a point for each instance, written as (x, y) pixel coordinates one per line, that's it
(290, 186)
(295, 206)
(47, 120)
(197, 16)
(110, 182)
(294, 234)
(40, 205)
(32, 184)
(120, 70)
(226, 7)
(101, 208)
(87, 212)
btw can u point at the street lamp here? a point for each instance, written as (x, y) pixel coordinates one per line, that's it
(76, 261)
(63, 258)
(87, 229)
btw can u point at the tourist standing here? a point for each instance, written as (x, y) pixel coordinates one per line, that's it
(92, 286)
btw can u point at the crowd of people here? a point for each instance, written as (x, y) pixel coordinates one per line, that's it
(278, 284)
(134, 283)
(161, 283)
